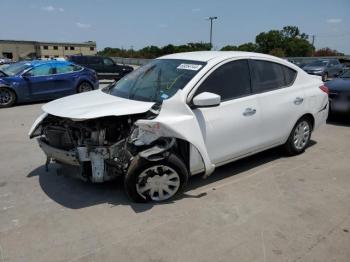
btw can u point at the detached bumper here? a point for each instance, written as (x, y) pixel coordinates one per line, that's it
(62, 156)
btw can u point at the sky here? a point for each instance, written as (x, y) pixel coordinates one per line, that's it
(138, 23)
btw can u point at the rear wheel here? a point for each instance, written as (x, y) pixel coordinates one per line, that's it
(7, 97)
(84, 87)
(155, 180)
(299, 138)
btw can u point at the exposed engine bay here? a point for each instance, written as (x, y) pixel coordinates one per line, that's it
(102, 148)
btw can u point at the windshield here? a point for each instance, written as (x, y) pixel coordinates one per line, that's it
(346, 74)
(156, 81)
(318, 63)
(14, 69)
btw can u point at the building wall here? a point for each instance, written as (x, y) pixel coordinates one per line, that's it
(55, 50)
(24, 49)
(17, 49)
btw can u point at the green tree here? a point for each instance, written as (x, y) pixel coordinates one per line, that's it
(229, 48)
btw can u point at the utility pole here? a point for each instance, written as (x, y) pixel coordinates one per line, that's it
(211, 18)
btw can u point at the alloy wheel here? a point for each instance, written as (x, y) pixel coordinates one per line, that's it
(6, 97)
(301, 135)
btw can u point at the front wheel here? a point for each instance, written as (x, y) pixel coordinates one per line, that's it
(299, 138)
(7, 97)
(155, 180)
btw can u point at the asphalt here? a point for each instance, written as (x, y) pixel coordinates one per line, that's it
(267, 207)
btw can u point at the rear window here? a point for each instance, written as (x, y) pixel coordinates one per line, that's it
(267, 76)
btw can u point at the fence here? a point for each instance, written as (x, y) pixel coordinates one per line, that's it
(130, 61)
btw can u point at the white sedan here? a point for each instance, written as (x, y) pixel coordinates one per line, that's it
(181, 115)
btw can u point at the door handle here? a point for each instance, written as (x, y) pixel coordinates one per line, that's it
(249, 111)
(298, 100)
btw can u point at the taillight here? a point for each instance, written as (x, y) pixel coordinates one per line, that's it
(325, 89)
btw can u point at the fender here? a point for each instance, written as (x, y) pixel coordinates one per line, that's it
(176, 120)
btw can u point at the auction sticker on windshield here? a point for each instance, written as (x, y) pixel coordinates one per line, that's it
(193, 67)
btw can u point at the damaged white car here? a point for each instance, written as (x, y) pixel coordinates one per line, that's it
(180, 115)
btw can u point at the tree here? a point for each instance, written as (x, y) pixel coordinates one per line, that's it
(249, 47)
(327, 52)
(229, 48)
(289, 40)
(277, 52)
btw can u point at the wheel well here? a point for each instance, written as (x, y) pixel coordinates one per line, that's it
(182, 149)
(309, 117)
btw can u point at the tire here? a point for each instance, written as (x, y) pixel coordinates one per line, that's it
(145, 176)
(84, 87)
(7, 97)
(299, 138)
(324, 77)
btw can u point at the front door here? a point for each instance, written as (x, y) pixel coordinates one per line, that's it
(232, 128)
(40, 82)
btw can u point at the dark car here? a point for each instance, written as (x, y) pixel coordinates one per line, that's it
(339, 93)
(43, 80)
(105, 67)
(324, 68)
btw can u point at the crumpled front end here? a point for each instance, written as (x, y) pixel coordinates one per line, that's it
(101, 147)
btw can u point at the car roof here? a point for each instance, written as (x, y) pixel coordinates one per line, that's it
(44, 62)
(205, 56)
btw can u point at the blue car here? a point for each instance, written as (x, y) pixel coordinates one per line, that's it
(339, 93)
(43, 80)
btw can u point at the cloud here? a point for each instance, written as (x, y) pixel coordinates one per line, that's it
(334, 20)
(51, 8)
(196, 10)
(82, 25)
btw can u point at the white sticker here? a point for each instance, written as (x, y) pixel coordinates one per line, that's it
(189, 67)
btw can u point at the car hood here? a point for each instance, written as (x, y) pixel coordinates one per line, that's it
(95, 104)
(339, 84)
(313, 68)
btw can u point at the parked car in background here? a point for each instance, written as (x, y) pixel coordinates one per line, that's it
(325, 68)
(105, 67)
(43, 80)
(181, 115)
(5, 61)
(339, 93)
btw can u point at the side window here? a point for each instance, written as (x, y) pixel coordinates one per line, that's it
(108, 62)
(267, 76)
(289, 75)
(231, 80)
(94, 60)
(42, 70)
(62, 68)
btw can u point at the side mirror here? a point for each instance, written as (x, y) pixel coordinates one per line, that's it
(206, 99)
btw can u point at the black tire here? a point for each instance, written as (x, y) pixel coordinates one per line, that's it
(289, 147)
(84, 87)
(7, 97)
(325, 77)
(138, 165)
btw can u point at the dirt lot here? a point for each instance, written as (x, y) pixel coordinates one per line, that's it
(264, 208)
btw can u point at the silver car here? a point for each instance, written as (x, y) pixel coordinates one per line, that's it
(325, 68)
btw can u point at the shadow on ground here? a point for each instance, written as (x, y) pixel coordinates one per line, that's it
(61, 186)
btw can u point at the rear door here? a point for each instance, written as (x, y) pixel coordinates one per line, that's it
(232, 128)
(281, 102)
(40, 82)
(65, 79)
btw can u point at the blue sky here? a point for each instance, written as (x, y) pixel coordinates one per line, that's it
(139, 23)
